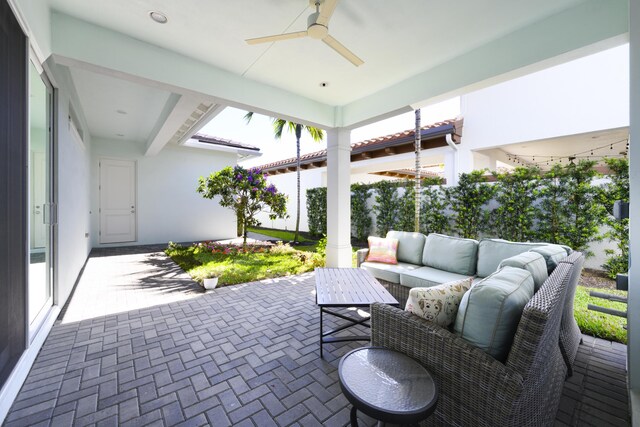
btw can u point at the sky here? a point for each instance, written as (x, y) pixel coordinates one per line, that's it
(230, 124)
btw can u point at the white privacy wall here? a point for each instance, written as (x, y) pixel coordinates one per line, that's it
(168, 207)
(585, 95)
(286, 184)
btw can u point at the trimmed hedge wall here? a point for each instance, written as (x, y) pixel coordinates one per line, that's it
(561, 206)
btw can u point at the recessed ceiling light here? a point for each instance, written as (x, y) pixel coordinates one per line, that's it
(121, 112)
(159, 17)
(324, 84)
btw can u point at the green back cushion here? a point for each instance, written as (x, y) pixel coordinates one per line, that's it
(491, 252)
(552, 254)
(531, 261)
(490, 311)
(452, 254)
(410, 246)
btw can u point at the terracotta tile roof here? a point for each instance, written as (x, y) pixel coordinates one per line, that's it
(207, 139)
(382, 144)
(408, 173)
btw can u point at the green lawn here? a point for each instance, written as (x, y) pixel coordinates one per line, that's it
(233, 268)
(597, 324)
(285, 236)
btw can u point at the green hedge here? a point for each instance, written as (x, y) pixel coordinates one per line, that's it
(317, 210)
(559, 206)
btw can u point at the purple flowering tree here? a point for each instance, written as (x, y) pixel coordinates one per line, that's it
(246, 192)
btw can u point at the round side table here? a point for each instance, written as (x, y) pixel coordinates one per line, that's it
(387, 385)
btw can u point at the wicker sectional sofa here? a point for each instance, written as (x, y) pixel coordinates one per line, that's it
(425, 261)
(475, 388)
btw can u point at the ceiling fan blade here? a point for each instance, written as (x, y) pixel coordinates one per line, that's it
(277, 37)
(326, 10)
(346, 53)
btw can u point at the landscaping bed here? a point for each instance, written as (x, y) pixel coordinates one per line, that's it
(237, 264)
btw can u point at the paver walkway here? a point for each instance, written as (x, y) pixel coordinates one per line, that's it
(129, 278)
(243, 355)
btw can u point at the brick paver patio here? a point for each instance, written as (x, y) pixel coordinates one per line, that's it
(244, 355)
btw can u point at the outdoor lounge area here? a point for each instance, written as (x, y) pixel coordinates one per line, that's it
(245, 355)
(124, 127)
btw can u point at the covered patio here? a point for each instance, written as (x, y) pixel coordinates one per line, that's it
(123, 88)
(244, 355)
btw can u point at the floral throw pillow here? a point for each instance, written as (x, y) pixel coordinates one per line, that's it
(438, 304)
(383, 250)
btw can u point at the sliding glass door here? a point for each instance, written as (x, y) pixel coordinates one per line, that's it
(40, 288)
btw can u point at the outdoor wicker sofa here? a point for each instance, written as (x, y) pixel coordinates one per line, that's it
(419, 265)
(474, 388)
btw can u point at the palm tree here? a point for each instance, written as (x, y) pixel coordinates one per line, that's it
(279, 125)
(418, 147)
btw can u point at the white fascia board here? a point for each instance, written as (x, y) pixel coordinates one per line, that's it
(242, 152)
(177, 110)
(165, 127)
(82, 44)
(587, 28)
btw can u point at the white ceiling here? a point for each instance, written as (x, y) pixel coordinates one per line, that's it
(396, 39)
(415, 52)
(116, 108)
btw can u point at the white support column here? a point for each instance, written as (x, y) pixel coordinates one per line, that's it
(338, 198)
(633, 316)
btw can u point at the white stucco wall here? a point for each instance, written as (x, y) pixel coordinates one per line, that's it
(168, 207)
(73, 196)
(581, 96)
(286, 183)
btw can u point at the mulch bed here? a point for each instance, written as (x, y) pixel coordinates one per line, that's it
(596, 279)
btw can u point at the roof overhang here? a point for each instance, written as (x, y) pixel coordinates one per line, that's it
(432, 136)
(243, 151)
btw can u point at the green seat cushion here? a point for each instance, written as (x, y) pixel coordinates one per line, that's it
(388, 272)
(531, 261)
(425, 277)
(490, 311)
(552, 254)
(452, 254)
(410, 246)
(492, 251)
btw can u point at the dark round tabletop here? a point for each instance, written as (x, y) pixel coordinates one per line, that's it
(387, 385)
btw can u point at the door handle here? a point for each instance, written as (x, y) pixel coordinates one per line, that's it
(132, 211)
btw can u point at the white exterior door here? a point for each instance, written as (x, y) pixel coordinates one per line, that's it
(117, 201)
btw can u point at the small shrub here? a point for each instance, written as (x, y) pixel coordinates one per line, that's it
(386, 207)
(282, 249)
(407, 208)
(467, 200)
(618, 232)
(433, 217)
(360, 219)
(515, 192)
(317, 210)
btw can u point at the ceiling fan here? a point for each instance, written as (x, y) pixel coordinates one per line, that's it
(317, 28)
